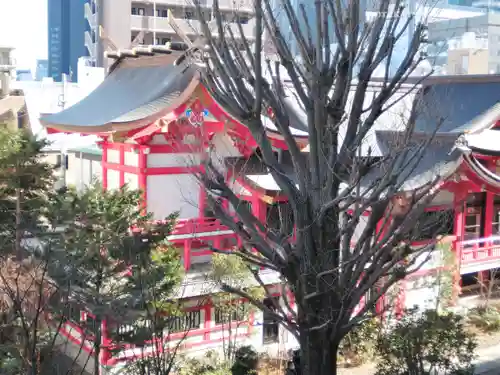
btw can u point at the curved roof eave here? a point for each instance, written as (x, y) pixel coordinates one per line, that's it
(134, 94)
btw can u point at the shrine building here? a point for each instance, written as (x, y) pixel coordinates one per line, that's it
(157, 123)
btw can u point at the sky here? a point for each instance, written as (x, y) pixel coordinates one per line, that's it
(23, 25)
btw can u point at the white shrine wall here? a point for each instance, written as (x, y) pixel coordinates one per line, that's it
(131, 158)
(168, 193)
(132, 180)
(113, 156)
(173, 160)
(113, 179)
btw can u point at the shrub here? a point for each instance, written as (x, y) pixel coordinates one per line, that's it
(246, 361)
(423, 343)
(210, 364)
(486, 318)
(358, 345)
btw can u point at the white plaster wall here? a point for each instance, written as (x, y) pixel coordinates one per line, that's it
(131, 158)
(132, 181)
(170, 193)
(422, 292)
(113, 179)
(429, 259)
(113, 156)
(173, 160)
(96, 168)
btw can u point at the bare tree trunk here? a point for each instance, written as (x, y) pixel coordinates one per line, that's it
(354, 217)
(318, 355)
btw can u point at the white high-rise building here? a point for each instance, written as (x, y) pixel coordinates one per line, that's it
(127, 22)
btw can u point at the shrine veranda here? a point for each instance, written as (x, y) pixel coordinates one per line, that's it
(157, 123)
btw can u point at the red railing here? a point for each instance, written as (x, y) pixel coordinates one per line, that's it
(198, 225)
(478, 249)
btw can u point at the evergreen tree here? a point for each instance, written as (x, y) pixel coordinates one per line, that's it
(116, 272)
(26, 183)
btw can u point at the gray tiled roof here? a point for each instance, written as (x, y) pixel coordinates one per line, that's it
(129, 93)
(456, 104)
(418, 164)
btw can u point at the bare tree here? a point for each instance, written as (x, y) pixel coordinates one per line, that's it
(354, 209)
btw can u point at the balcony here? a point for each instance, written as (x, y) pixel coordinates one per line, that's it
(190, 27)
(91, 46)
(478, 254)
(233, 5)
(90, 16)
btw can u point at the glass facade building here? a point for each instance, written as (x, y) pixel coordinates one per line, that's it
(66, 28)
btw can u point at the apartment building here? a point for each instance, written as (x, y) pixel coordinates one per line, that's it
(127, 22)
(480, 35)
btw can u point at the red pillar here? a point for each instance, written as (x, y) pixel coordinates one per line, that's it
(121, 161)
(142, 177)
(208, 321)
(104, 164)
(202, 199)
(187, 254)
(488, 220)
(458, 229)
(105, 353)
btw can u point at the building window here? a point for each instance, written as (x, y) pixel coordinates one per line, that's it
(495, 222)
(270, 328)
(233, 314)
(141, 11)
(164, 13)
(157, 41)
(472, 224)
(243, 20)
(134, 11)
(189, 15)
(158, 12)
(190, 320)
(475, 206)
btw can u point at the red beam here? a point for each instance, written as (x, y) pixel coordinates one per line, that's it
(153, 171)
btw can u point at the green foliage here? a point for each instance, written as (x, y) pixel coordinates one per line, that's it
(421, 343)
(25, 186)
(246, 361)
(358, 346)
(127, 275)
(233, 271)
(10, 361)
(445, 282)
(486, 318)
(210, 364)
